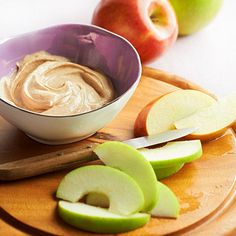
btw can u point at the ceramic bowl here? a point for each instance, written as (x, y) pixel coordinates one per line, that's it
(84, 44)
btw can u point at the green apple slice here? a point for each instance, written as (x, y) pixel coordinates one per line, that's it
(125, 196)
(99, 220)
(172, 153)
(167, 204)
(165, 172)
(133, 163)
(101, 200)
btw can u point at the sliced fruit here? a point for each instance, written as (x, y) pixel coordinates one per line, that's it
(101, 200)
(133, 163)
(167, 205)
(173, 153)
(165, 172)
(160, 115)
(212, 121)
(99, 220)
(125, 196)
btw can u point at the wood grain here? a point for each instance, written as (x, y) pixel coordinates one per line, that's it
(205, 188)
(6, 229)
(173, 79)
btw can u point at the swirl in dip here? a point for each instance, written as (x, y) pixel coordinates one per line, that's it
(52, 85)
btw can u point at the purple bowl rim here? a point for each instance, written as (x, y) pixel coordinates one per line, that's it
(84, 113)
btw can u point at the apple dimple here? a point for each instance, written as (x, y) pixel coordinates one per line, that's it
(157, 15)
(160, 18)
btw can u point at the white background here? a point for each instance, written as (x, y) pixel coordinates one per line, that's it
(207, 58)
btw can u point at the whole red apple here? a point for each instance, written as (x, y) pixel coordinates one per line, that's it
(150, 25)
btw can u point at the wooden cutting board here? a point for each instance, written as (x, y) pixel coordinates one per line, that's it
(206, 188)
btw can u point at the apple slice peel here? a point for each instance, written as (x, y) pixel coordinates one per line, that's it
(99, 220)
(167, 204)
(173, 153)
(165, 172)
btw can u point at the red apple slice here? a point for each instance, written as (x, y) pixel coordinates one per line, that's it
(150, 25)
(160, 115)
(212, 121)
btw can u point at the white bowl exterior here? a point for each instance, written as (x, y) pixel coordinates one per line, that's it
(61, 130)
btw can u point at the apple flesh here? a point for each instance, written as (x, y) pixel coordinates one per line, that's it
(212, 121)
(125, 196)
(101, 200)
(173, 153)
(167, 205)
(160, 115)
(165, 172)
(195, 14)
(151, 26)
(133, 163)
(99, 220)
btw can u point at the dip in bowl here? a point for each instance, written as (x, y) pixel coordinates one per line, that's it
(87, 45)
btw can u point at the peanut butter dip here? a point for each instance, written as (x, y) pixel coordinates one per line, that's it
(52, 85)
